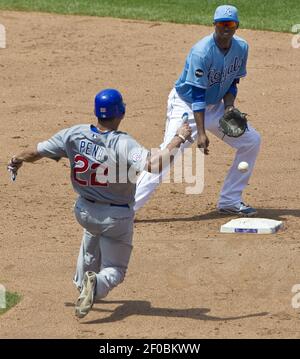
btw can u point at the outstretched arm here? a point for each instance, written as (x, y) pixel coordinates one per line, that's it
(52, 148)
(26, 156)
(16, 161)
(155, 163)
(30, 155)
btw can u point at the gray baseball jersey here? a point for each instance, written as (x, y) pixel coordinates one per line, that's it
(104, 165)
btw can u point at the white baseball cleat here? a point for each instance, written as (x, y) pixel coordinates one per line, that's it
(241, 210)
(85, 301)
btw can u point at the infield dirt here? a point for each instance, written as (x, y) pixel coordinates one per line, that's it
(185, 279)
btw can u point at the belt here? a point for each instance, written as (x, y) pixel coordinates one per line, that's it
(111, 204)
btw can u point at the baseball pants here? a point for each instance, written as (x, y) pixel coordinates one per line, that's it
(247, 148)
(106, 244)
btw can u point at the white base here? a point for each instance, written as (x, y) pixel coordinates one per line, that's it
(251, 225)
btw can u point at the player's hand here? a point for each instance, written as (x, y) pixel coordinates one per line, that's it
(12, 167)
(185, 131)
(14, 164)
(228, 108)
(203, 142)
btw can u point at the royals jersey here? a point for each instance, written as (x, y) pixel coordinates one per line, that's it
(104, 165)
(207, 67)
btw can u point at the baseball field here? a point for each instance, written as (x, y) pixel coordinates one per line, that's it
(185, 278)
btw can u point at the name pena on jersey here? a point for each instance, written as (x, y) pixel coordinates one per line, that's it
(91, 149)
(215, 77)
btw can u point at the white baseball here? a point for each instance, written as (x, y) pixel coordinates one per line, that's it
(243, 166)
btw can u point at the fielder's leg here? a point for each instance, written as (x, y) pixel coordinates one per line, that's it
(247, 147)
(147, 182)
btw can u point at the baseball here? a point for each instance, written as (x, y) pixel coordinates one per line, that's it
(243, 166)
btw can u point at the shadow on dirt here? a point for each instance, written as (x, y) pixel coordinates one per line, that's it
(273, 213)
(144, 308)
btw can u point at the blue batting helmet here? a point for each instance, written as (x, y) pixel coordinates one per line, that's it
(109, 104)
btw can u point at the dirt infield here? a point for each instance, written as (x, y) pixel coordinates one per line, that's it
(185, 279)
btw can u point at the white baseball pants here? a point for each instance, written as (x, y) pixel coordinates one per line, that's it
(247, 147)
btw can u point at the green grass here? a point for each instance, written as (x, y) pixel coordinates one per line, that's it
(276, 15)
(11, 300)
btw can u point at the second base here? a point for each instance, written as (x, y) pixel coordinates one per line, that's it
(251, 225)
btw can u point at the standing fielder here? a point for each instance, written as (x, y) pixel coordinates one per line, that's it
(104, 165)
(206, 88)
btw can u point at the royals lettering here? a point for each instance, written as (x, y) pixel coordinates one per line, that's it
(215, 76)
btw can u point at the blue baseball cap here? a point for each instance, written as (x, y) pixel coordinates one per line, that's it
(226, 13)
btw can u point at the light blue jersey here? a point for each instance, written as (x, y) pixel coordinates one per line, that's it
(208, 68)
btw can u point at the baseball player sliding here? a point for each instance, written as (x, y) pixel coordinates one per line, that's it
(205, 90)
(104, 166)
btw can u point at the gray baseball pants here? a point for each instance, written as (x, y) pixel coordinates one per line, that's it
(106, 244)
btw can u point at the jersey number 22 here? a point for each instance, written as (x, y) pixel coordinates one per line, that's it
(82, 166)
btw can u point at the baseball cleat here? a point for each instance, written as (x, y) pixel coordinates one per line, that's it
(85, 301)
(241, 210)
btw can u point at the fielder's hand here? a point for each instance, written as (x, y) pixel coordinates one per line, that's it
(203, 142)
(228, 109)
(233, 123)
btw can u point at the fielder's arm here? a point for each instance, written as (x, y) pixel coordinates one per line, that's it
(228, 101)
(198, 107)
(202, 140)
(230, 96)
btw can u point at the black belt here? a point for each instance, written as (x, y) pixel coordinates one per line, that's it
(111, 204)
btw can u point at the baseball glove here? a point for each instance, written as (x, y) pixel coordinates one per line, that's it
(233, 123)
